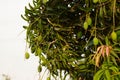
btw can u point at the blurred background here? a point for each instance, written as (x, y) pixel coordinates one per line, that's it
(12, 43)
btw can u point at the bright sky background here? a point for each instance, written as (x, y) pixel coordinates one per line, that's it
(12, 42)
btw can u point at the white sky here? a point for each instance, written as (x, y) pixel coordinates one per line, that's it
(12, 45)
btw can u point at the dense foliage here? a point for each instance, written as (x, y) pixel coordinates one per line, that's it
(79, 37)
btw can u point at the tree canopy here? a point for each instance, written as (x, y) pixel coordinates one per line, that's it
(79, 37)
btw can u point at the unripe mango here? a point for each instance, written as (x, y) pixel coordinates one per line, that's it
(39, 68)
(85, 25)
(48, 78)
(95, 1)
(101, 12)
(95, 41)
(89, 20)
(27, 55)
(114, 35)
(45, 1)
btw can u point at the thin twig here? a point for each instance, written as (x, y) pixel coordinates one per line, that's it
(53, 24)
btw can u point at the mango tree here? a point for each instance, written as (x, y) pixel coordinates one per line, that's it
(78, 37)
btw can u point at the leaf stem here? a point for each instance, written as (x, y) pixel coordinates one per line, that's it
(114, 10)
(96, 21)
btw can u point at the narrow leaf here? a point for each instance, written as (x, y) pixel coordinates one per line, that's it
(98, 75)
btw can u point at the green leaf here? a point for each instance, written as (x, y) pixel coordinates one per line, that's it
(114, 69)
(114, 54)
(79, 34)
(39, 38)
(116, 78)
(106, 40)
(107, 73)
(98, 74)
(33, 49)
(113, 60)
(31, 6)
(118, 32)
(25, 18)
(26, 10)
(117, 49)
(25, 27)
